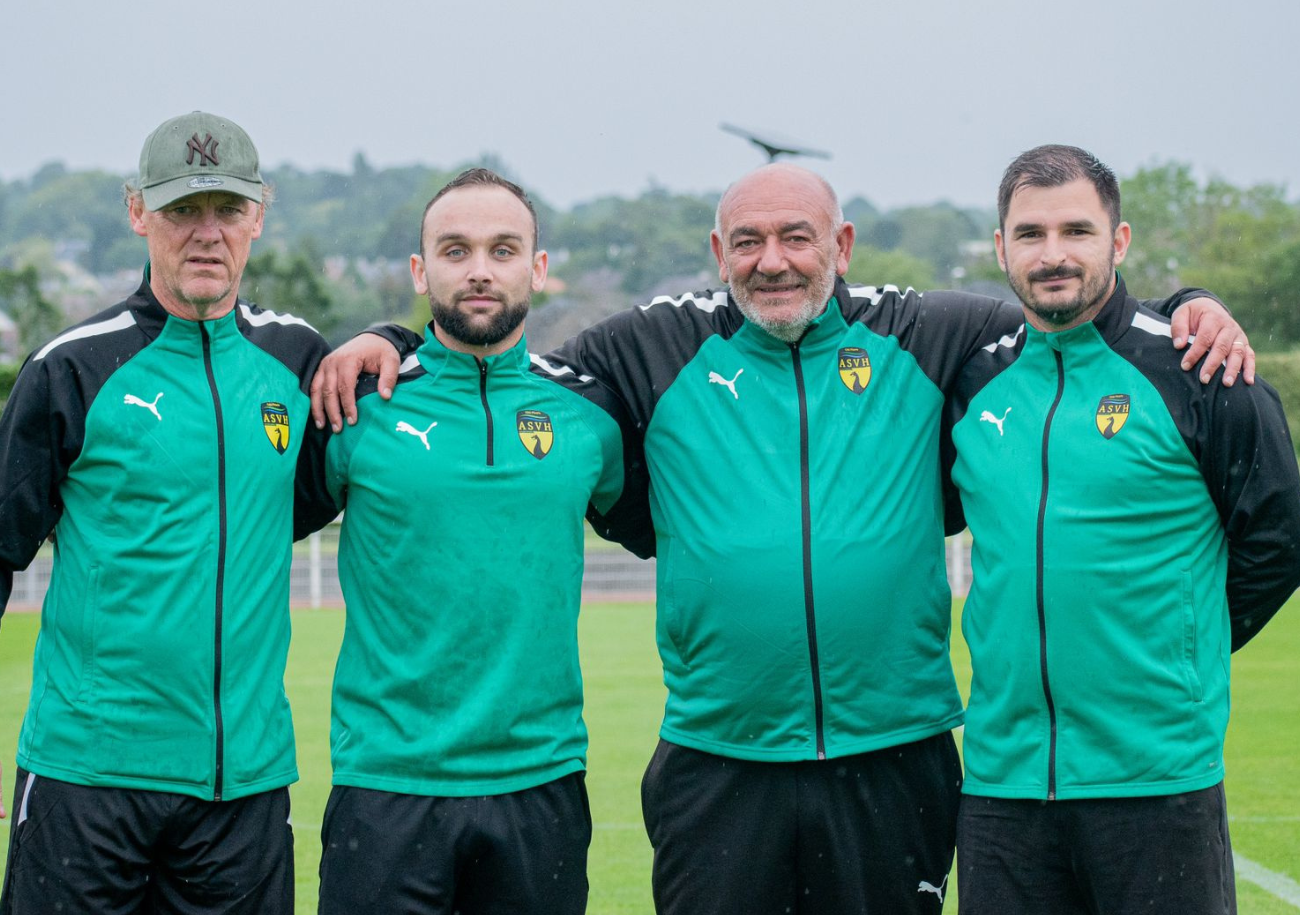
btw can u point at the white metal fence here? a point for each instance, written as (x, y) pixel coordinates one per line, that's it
(611, 574)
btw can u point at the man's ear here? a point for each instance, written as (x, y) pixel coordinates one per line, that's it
(418, 279)
(1123, 235)
(539, 270)
(844, 247)
(715, 242)
(136, 209)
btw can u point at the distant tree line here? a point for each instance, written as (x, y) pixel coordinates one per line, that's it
(336, 244)
(1243, 243)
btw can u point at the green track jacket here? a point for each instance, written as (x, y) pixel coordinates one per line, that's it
(461, 565)
(803, 609)
(1131, 526)
(162, 454)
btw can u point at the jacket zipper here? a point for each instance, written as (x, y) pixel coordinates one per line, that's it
(487, 411)
(221, 560)
(806, 519)
(1042, 607)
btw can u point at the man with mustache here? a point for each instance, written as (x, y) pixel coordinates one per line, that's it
(1133, 528)
(806, 761)
(158, 444)
(457, 737)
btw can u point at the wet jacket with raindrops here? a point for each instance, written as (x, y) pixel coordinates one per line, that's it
(162, 454)
(1131, 527)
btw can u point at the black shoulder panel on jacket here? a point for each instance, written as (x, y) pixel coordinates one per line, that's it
(297, 346)
(628, 521)
(43, 427)
(638, 353)
(1240, 440)
(625, 364)
(941, 329)
(403, 339)
(292, 341)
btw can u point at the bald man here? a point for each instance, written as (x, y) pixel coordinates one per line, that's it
(791, 425)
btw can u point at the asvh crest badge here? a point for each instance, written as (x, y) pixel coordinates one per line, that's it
(1112, 414)
(855, 368)
(535, 432)
(275, 421)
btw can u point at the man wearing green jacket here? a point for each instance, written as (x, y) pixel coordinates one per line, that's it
(1132, 528)
(791, 426)
(457, 737)
(158, 444)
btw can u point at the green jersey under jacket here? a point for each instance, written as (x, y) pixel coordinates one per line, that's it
(1131, 526)
(803, 608)
(162, 454)
(461, 564)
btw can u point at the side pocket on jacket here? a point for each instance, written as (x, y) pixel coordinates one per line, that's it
(1189, 640)
(89, 613)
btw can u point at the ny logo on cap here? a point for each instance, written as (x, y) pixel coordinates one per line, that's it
(206, 148)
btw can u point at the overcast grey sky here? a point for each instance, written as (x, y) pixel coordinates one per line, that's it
(918, 101)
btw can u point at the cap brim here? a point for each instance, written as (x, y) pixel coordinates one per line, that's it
(158, 196)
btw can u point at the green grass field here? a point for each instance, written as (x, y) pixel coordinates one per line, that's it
(624, 703)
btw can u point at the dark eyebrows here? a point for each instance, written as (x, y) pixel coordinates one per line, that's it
(1022, 227)
(801, 225)
(463, 239)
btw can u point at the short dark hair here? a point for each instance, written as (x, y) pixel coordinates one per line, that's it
(482, 177)
(1053, 165)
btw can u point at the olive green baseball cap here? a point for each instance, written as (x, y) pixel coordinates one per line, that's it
(197, 153)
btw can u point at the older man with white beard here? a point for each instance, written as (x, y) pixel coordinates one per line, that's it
(791, 434)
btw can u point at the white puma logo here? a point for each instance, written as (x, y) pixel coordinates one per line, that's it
(987, 417)
(406, 427)
(925, 886)
(151, 407)
(715, 378)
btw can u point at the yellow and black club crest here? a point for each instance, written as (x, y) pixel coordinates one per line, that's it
(1112, 414)
(855, 368)
(535, 432)
(275, 420)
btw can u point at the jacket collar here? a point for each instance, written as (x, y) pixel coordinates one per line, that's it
(1116, 316)
(435, 357)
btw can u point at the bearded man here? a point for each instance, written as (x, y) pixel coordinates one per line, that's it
(791, 429)
(456, 736)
